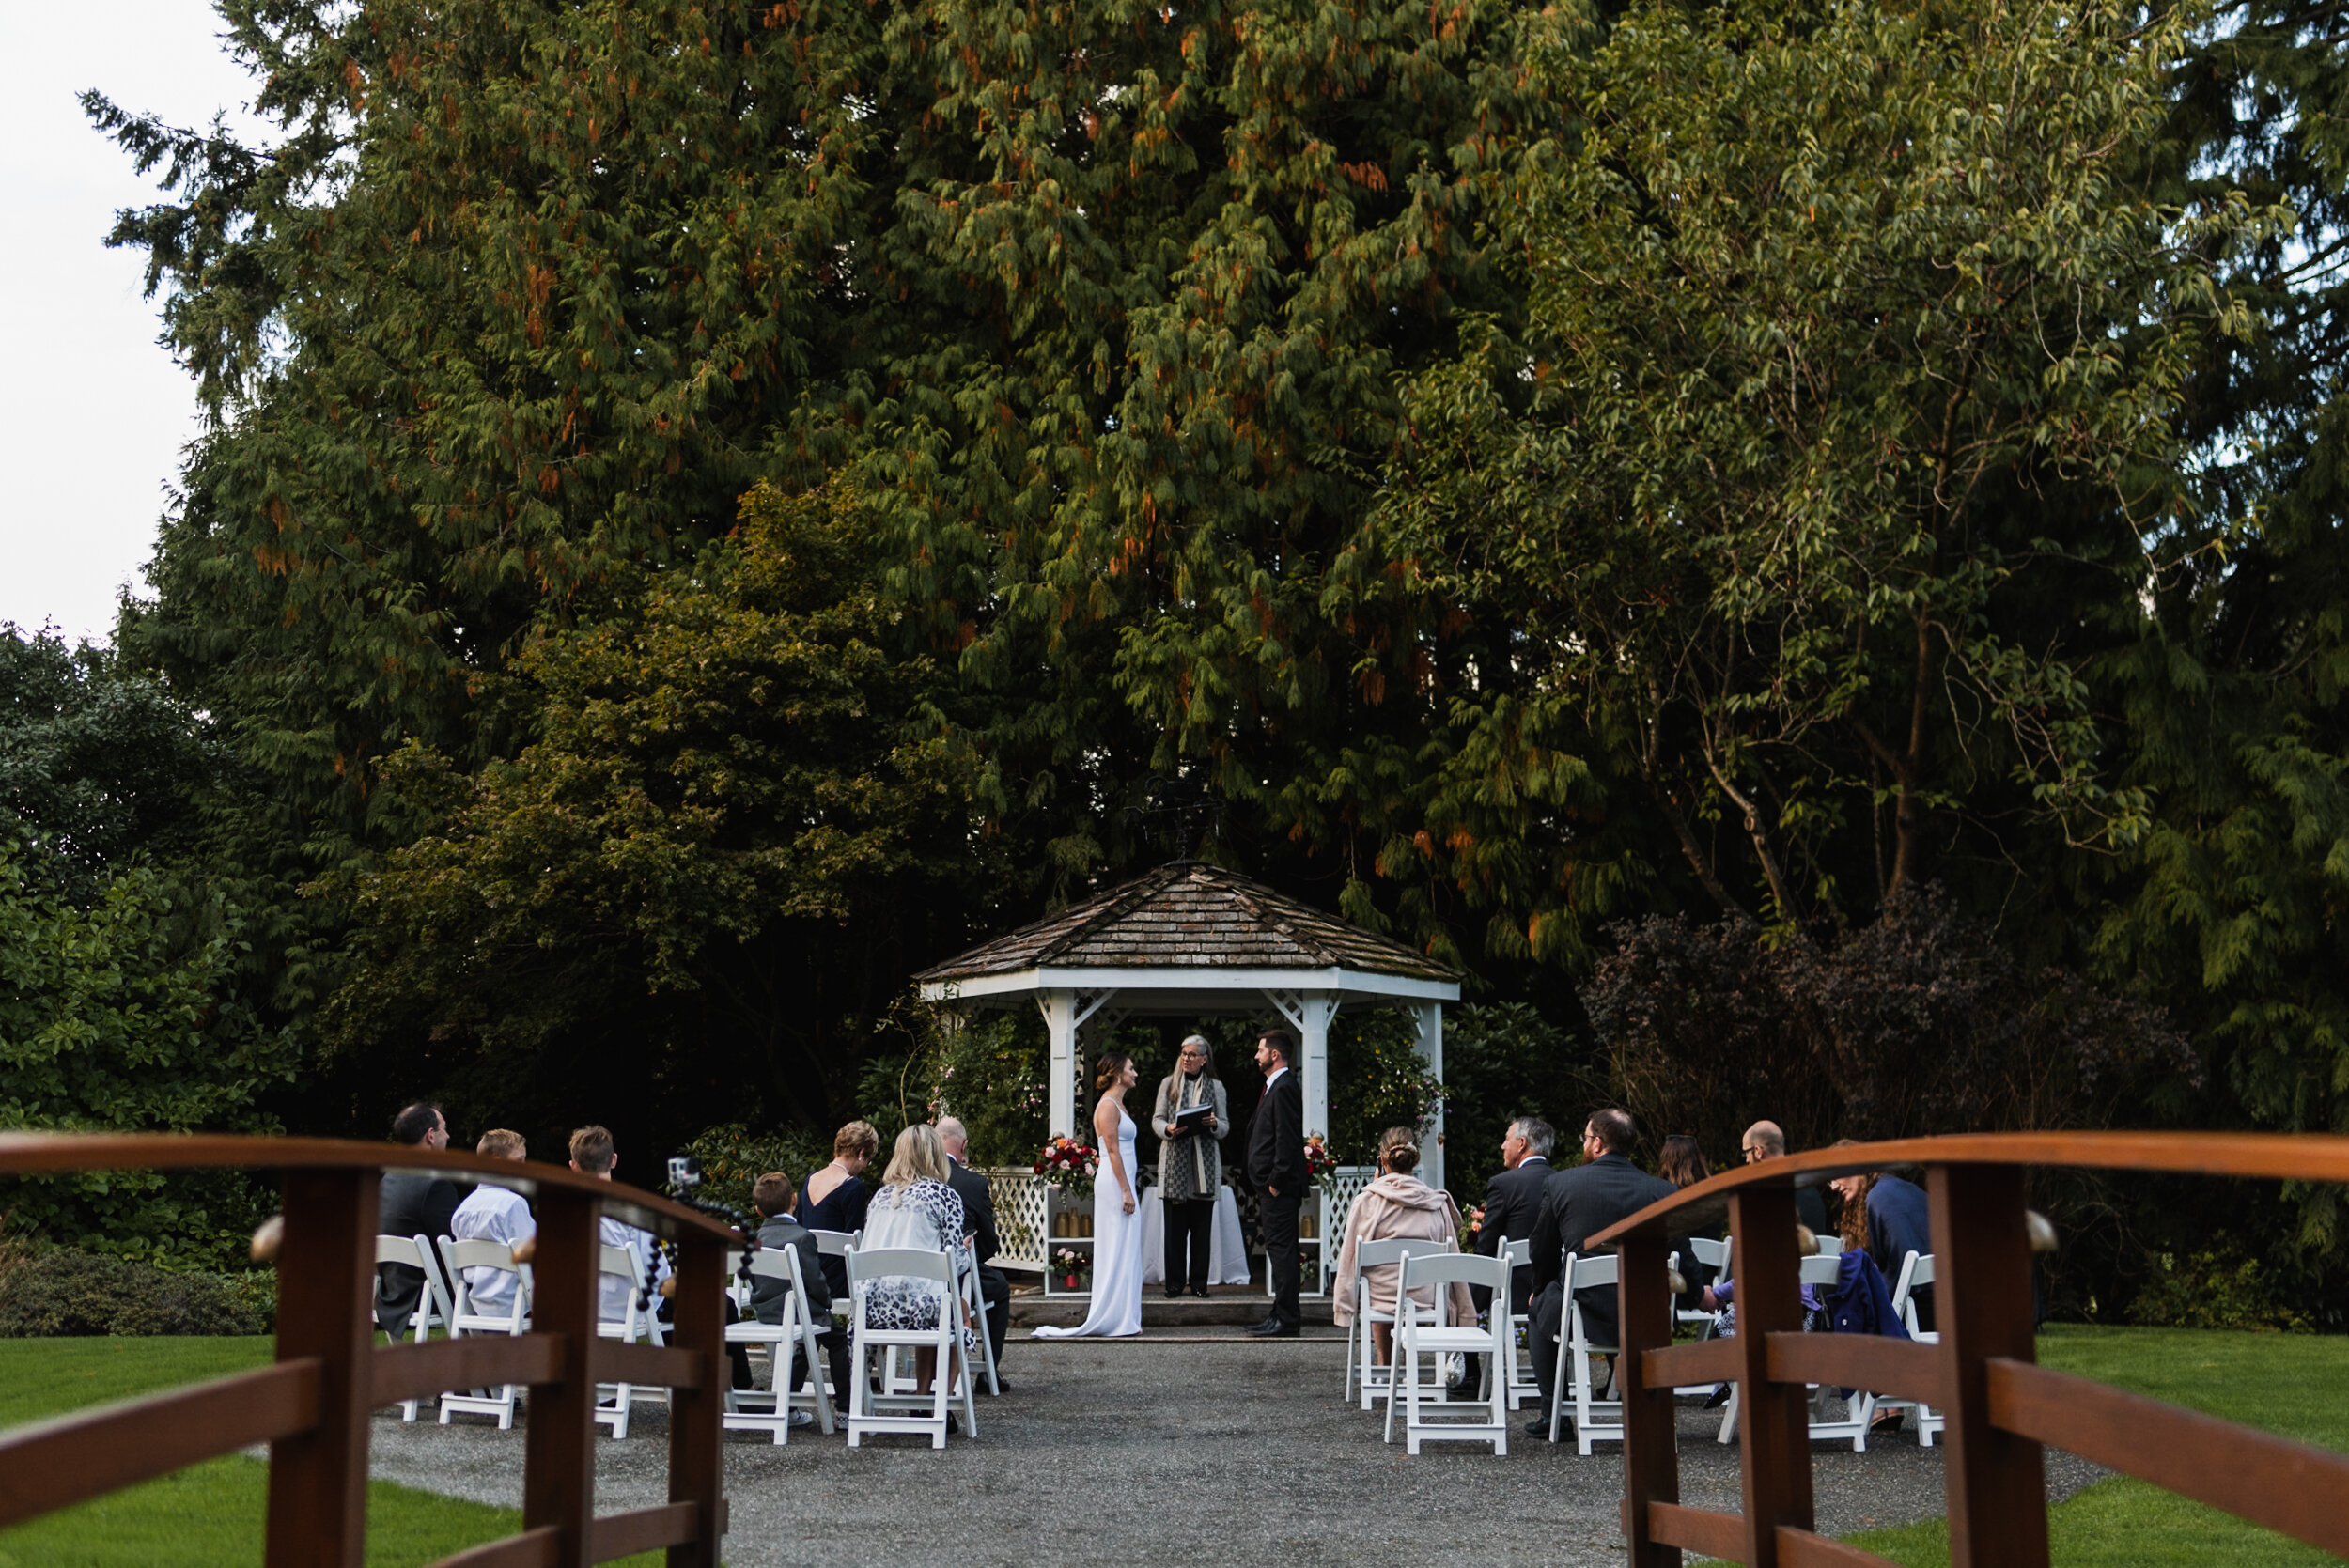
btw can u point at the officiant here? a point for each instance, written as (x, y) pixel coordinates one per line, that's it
(1191, 1119)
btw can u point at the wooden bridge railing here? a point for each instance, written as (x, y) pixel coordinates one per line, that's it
(2001, 1406)
(314, 1405)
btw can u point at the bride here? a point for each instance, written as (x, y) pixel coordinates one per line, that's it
(1116, 1226)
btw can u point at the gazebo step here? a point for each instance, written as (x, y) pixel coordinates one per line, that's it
(1237, 1308)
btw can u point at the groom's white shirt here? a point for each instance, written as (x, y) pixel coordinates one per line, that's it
(1278, 1074)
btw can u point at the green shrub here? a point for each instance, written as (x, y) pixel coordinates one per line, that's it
(51, 1294)
(732, 1157)
(2218, 1288)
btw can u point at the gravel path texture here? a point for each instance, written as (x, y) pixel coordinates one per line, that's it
(1171, 1448)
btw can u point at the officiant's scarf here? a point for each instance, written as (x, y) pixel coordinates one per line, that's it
(1186, 1172)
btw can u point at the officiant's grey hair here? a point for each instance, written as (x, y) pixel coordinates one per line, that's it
(1204, 1050)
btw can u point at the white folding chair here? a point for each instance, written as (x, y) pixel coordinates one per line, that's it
(1363, 1375)
(1522, 1385)
(974, 1299)
(636, 1322)
(890, 1411)
(432, 1305)
(1426, 1331)
(465, 1318)
(1574, 1350)
(1830, 1246)
(786, 1341)
(1916, 1275)
(1820, 1272)
(1714, 1255)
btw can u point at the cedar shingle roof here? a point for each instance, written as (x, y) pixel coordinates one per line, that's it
(1190, 915)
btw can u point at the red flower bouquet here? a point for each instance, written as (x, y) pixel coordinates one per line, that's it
(1069, 1166)
(1319, 1161)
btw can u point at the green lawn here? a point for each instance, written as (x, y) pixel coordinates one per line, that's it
(2296, 1385)
(209, 1513)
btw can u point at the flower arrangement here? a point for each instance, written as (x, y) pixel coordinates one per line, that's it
(1074, 1267)
(1319, 1161)
(1472, 1221)
(1068, 1165)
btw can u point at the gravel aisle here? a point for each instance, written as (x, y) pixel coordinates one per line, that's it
(1164, 1449)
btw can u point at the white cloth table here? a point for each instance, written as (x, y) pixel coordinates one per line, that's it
(1227, 1250)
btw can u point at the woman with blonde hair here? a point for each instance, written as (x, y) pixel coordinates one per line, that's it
(1116, 1226)
(1396, 1207)
(916, 1208)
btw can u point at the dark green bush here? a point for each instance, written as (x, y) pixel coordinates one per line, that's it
(2218, 1288)
(51, 1294)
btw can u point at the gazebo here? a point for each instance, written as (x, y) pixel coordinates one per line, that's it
(1191, 938)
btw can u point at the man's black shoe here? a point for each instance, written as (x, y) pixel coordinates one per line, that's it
(1175, 1293)
(1262, 1324)
(1274, 1332)
(1538, 1428)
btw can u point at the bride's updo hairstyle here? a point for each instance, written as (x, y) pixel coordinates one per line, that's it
(1107, 1069)
(1398, 1151)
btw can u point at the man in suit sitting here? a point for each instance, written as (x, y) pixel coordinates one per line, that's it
(773, 1196)
(1276, 1167)
(1577, 1205)
(978, 1212)
(413, 1204)
(1513, 1199)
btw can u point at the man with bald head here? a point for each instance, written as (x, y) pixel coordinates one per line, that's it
(978, 1213)
(1768, 1140)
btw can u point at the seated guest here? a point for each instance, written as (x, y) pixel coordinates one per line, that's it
(1889, 1218)
(1766, 1140)
(773, 1196)
(1577, 1205)
(494, 1214)
(1397, 1206)
(833, 1198)
(916, 1208)
(413, 1204)
(593, 1153)
(1683, 1164)
(978, 1209)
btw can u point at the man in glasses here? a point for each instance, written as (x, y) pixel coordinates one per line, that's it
(1768, 1140)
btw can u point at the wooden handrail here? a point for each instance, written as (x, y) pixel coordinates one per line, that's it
(314, 1407)
(1999, 1409)
(2284, 1157)
(26, 1153)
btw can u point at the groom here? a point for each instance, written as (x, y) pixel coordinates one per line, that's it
(1276, 1166)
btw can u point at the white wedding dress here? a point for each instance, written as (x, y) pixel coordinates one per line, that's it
(1116, 1252)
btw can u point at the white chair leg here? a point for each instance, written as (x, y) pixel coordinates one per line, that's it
(1729, 1416)
(1558, 1387)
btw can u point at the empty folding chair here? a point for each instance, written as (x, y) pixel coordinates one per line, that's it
(1595, 1420)
(433, 1306)
(1523, 1385)
(469, 1315)
(974, 1299)
(1916, 1275)
(1363, 1375)
(889, 1411)
(1426, 1331)
(635, 1323)
(786, 1341)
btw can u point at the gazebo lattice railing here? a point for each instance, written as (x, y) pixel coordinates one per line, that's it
(314, 1405)
(2000, 1407)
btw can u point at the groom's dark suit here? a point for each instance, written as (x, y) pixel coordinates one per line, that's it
(1276, 1167)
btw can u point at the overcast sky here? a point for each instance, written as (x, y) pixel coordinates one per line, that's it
(92, 413)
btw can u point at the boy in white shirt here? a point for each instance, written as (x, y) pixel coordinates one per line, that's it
(494, 1214)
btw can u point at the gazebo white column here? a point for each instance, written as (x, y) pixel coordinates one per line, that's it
(1309, 1012)
(1429, 1016)
(1066, 1013)
(1060, 1022)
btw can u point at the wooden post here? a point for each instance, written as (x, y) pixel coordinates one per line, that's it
(696, 1446)
(559, 1445)
(1651, 1457)
(318, 1481)
(1996, 1482)
(1774, 1419)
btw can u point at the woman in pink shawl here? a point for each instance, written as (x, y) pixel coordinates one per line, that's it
(1397, 1205)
